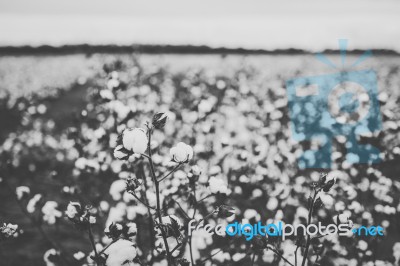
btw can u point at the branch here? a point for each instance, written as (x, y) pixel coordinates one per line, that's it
(281, 256)
(206, 197)
(308, 242)
(158, 210)
(147, 205)
(180, 207)
(173, 170)
(92, 243)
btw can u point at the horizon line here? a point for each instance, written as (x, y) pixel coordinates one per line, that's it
(166, 49)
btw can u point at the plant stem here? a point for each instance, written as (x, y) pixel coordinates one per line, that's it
(212, 255)
(158, 208)
(194, 214)
(106, 247)
(145, 204)
(295, 255)
(308, 242)
(281, 256)
(206, 197)
(151, 221)
(173, 170)
(253, 259)
(91, 238)
(180, 207)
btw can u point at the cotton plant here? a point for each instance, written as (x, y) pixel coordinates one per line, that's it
(9, 230)
(149, 187)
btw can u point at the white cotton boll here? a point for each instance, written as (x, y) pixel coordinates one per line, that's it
(302, 212)
(21, 191)
(112, 83)
(327, 200)
(107, 94)
(135, 140)
(120, 108)
(50, 213)
(238, 190)
(356, 207)
(181, 152)
(385, 223)
(340, 206)
(128, 197)
(379, 208)
(279, 215)
(80, 163)
(217, 185)
(72, 209)
(362, 245)
(92, 220)
(79, 255)
(220, 256)
(117, 213)
(31, 206)
(257, 193)
(9, 230)
(116, 189)
(99, 133)
(214, 170)
(244, 179)
(47, 255)
(238, 256)
(389, 210)
(120, 252)
(272, 204)
(205, 106)
(269, 256)
(251, 213)
(133, 211)
(396, 251)
(351, 192)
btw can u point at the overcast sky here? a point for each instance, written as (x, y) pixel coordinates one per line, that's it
(307, 24)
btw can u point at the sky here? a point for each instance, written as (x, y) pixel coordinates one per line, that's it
(261, 24)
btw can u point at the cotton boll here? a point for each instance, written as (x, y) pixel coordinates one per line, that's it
(31, 206)
(251, 213)
(120, 252)
(73, 209)
(49, 257)
(272, 204)
(257, 193)
(79, 255)
(117, 188)
(327, 200)
(117, 213)
(50, 213)
(218, 185)
(22, 191)
(135, 140)
(362, 245)
(181, 153)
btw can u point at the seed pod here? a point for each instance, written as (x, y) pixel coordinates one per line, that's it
(159, 120)
(225, 211)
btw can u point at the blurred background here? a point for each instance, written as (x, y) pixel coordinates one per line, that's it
(57, 56)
